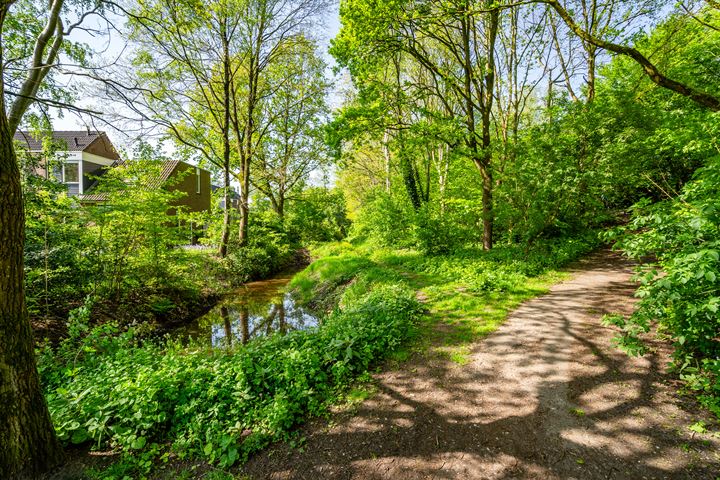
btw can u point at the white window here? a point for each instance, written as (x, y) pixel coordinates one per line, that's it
(69, 174)
(197, 177)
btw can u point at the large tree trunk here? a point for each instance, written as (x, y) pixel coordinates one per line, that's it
(281, 207)
(487, 174)
(27, 440)
(481, 158)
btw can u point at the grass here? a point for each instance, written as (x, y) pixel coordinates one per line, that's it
(467, 295)
(220, 407)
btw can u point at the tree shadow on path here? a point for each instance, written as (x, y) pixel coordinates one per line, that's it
(546, 396)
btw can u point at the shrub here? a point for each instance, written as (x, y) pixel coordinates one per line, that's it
(267, 252)
(680, 287)
(218, 404)
(386, 220)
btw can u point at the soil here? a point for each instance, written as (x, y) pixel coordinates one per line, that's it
(546, 396)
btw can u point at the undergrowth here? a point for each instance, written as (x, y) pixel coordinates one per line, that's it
(678, 244)
(470, 290)
(161, 400)
(156, 399)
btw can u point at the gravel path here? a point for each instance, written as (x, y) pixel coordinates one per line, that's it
(544, 397)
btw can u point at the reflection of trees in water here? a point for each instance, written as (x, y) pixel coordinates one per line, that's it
(245, 320)
(282, 326)
(225, 315)
(244, 325)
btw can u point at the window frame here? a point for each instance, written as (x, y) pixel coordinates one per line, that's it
(64, 165)
(62, 178)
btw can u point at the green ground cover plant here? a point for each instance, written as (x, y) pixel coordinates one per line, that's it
(156, 400)
(152, 399)
(470, 290)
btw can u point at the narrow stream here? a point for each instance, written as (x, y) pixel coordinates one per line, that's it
(254, 310)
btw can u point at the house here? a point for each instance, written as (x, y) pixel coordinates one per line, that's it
(195, 182)
(84, 155)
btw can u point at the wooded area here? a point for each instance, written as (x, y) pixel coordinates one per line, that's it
(438, 150)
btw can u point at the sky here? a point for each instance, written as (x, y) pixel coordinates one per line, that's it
(111, 46)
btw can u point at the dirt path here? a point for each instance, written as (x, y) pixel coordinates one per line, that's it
(544, 397)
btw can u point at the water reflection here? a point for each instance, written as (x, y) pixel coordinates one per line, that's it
(257, 309)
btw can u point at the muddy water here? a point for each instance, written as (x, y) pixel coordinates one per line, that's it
(254, 310)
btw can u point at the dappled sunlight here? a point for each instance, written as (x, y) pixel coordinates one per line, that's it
(546, 396)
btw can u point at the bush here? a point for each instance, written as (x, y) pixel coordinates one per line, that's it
(268, 252)
(218, 404)
(386, 220)
(318, 215)
(680, 288)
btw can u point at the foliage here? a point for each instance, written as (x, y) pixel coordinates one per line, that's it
(470, 292)
(346, 271)
(113, 390)
(292, 145)
(318, 215)
(220, 404)
(134, 234)
(57, 267)
(123, 250)
(269, 250)
(386, 219)
(680, 284)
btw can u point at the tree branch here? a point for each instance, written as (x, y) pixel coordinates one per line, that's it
(701, 98)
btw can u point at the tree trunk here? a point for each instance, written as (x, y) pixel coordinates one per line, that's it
(226, 141)
(487, 174)
(244, 207)
(591, 61)
(386, 155)
(482, 159)
(281, 207)
(27, 438)
(226, 211)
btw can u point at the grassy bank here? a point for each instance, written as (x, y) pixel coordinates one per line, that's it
(469, 291)
(164, 402)
(161, 401)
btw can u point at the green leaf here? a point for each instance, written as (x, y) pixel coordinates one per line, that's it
(138, 443)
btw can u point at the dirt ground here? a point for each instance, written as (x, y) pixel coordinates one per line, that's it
(545, 397)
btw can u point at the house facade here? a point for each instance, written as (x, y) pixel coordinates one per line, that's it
(82, 156)
(194, 181)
